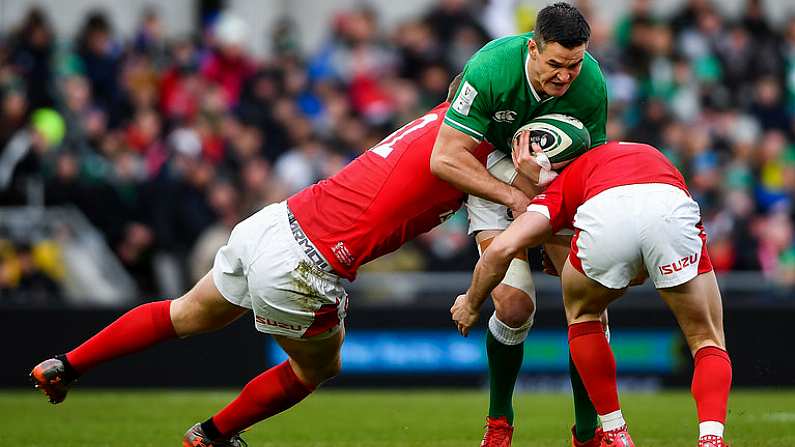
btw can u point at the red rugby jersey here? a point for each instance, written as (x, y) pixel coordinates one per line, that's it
(382, 199)
(604, 167)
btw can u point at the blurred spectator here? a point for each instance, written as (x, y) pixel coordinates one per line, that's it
(24, 275)
(768, 105)
(149, 39)
(451, 17)
(100, 57)
(31, 54)
(223, 198)
(229, 64)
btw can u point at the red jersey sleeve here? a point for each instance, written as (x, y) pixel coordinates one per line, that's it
(550, 203)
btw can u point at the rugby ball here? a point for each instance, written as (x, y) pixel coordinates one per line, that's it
(561, 137)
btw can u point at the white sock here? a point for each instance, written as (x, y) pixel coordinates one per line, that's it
(612, 421)
(714, 428)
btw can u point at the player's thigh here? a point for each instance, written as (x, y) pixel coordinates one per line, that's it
(698, 309)
(316, 359)
(203, 309)
(673, 240)
(584, 298)
(514, 297)
(557, 248)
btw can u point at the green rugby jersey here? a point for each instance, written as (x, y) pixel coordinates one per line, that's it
(496, 98)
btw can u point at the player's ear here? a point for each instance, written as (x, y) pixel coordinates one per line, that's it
(532, 48)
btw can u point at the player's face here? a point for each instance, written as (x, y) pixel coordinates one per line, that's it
(554, 68)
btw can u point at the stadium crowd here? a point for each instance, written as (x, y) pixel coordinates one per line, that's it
(164, 144)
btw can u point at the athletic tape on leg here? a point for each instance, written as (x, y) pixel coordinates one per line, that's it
(508, 335)
(519, 277)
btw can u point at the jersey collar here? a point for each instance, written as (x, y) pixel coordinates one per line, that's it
(527, 76)
(530, 84)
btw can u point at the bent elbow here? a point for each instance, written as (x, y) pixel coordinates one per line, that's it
(440, 165)
(500, 254)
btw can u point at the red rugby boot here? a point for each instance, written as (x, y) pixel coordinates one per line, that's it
(195, 437)
(593, 442)
(711, 441)
(498, 432)
(617, 438)
(51, 377)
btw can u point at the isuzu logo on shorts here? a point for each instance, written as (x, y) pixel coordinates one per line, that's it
(676, 266)
(279, 324)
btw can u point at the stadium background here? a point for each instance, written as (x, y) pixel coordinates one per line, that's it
(133, 137)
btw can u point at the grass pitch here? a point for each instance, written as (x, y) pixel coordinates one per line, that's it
(373, 418)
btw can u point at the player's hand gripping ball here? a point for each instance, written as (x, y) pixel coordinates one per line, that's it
(561, 138)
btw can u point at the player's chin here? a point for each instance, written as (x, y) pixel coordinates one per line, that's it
(554, 89)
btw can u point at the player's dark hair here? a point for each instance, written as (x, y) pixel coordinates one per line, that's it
(454, 84)
(561, 23)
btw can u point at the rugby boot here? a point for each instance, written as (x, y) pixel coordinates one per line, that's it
(617, 438)
(498, 432)
(711, 441)
(195, 437)
(593, 442)
(52, 377)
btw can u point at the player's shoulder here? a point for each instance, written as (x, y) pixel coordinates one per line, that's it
(500, 55)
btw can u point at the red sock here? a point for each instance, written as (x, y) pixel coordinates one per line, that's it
(134, 331)
(594, 361)
(712, 380)
(270, 393)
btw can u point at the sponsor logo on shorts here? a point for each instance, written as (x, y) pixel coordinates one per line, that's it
(676, 266)
(278, 324)
(304, 242)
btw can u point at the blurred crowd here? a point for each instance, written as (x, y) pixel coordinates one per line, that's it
(165, 143)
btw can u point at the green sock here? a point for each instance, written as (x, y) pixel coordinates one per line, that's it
(504, 364)
(585, 418)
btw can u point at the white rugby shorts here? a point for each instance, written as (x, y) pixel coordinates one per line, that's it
(484, 214)
(263, 268)
(624, 229)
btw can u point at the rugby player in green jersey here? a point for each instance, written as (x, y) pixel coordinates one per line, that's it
(505, 85)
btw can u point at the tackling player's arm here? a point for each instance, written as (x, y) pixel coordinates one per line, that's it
(528, 230)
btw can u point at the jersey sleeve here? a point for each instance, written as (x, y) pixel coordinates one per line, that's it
(470, 110)
(550, 204)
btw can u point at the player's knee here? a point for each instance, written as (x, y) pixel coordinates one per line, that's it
(332, 369)
(514, 302)
(705, 338)
(322, 373)
(513, 307)
(583, 310)
(190, 317)
(181, 317)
